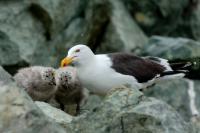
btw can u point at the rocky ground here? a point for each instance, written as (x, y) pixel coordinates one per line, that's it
(34, 32)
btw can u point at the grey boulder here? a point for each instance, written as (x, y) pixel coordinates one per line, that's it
(128, 110)
(172, 48)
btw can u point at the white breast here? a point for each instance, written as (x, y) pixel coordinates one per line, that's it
(99, 77)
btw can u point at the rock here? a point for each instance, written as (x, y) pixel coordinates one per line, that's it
(91, 103)
(9, 51)
(122, 33)
(56, 15)
(42, 29)
(194, 19)
(55, 114)
(127, 110)
(18, 113)
(35, 25)
(172, 48)
(72, 35)
(173, 92)
(19, 25)
(96, 21)
(5, 78)
(102, 28)
(157, 17)
(197, 91)
(65, 28)
(10, 57)
(196, 125)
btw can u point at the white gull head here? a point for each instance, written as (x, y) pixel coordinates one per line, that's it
(78, 56)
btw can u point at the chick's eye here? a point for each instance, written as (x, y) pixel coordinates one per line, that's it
(78, 50)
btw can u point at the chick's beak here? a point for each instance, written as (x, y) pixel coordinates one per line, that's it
(66, 61)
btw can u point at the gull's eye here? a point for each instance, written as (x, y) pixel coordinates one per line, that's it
(77, 50)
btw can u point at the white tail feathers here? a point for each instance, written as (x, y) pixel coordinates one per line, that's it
(174, 76)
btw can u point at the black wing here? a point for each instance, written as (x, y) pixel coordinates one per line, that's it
(129, 64)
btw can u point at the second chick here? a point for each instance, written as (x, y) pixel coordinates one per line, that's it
(69, 90)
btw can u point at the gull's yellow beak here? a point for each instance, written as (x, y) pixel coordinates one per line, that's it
(66, 61)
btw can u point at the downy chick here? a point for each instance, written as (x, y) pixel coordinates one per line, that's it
(39, 82)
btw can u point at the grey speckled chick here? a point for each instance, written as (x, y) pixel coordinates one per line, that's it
(69, 90)
(38, 81)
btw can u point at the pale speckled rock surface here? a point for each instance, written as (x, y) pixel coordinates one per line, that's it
(55, 114)
(93, 102)
(175, 93)
(197, 90)
(127, 110)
